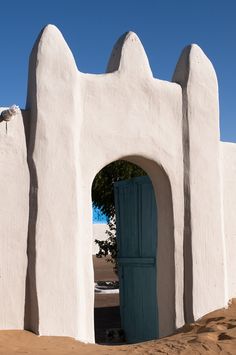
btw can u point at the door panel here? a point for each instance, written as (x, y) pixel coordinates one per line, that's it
(128, 219)
(136, 224)
(148, 219)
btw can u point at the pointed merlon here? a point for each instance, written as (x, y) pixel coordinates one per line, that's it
(194, 66)
(51, 63)
(128, 56)
(53, 47)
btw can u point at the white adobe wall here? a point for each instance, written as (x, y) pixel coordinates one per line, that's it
(62, 277)
(228, 154)
(14, 214)
(77, 124)
(204, 234)
(81, 123)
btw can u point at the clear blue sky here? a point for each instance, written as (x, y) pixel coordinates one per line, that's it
(91, 28)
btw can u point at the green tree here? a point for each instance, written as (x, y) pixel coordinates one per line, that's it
(103, 198)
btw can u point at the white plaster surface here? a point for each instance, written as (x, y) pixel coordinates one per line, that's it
(197, 77)
(60, 273)
(228, 151)
(77, 124)
(83, 123)
(14, 213)
(120, 127)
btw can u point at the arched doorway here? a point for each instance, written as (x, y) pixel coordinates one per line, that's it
(164, 275)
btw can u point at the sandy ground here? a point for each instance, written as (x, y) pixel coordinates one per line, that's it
(213, 334)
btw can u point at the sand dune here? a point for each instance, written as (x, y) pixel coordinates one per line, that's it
(213, 334)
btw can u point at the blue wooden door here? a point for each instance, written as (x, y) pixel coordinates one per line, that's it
(136, 230)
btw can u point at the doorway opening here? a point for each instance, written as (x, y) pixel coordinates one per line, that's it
(125, 267)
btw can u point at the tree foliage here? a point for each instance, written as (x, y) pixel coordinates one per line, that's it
(103, 198)
(103, 184)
